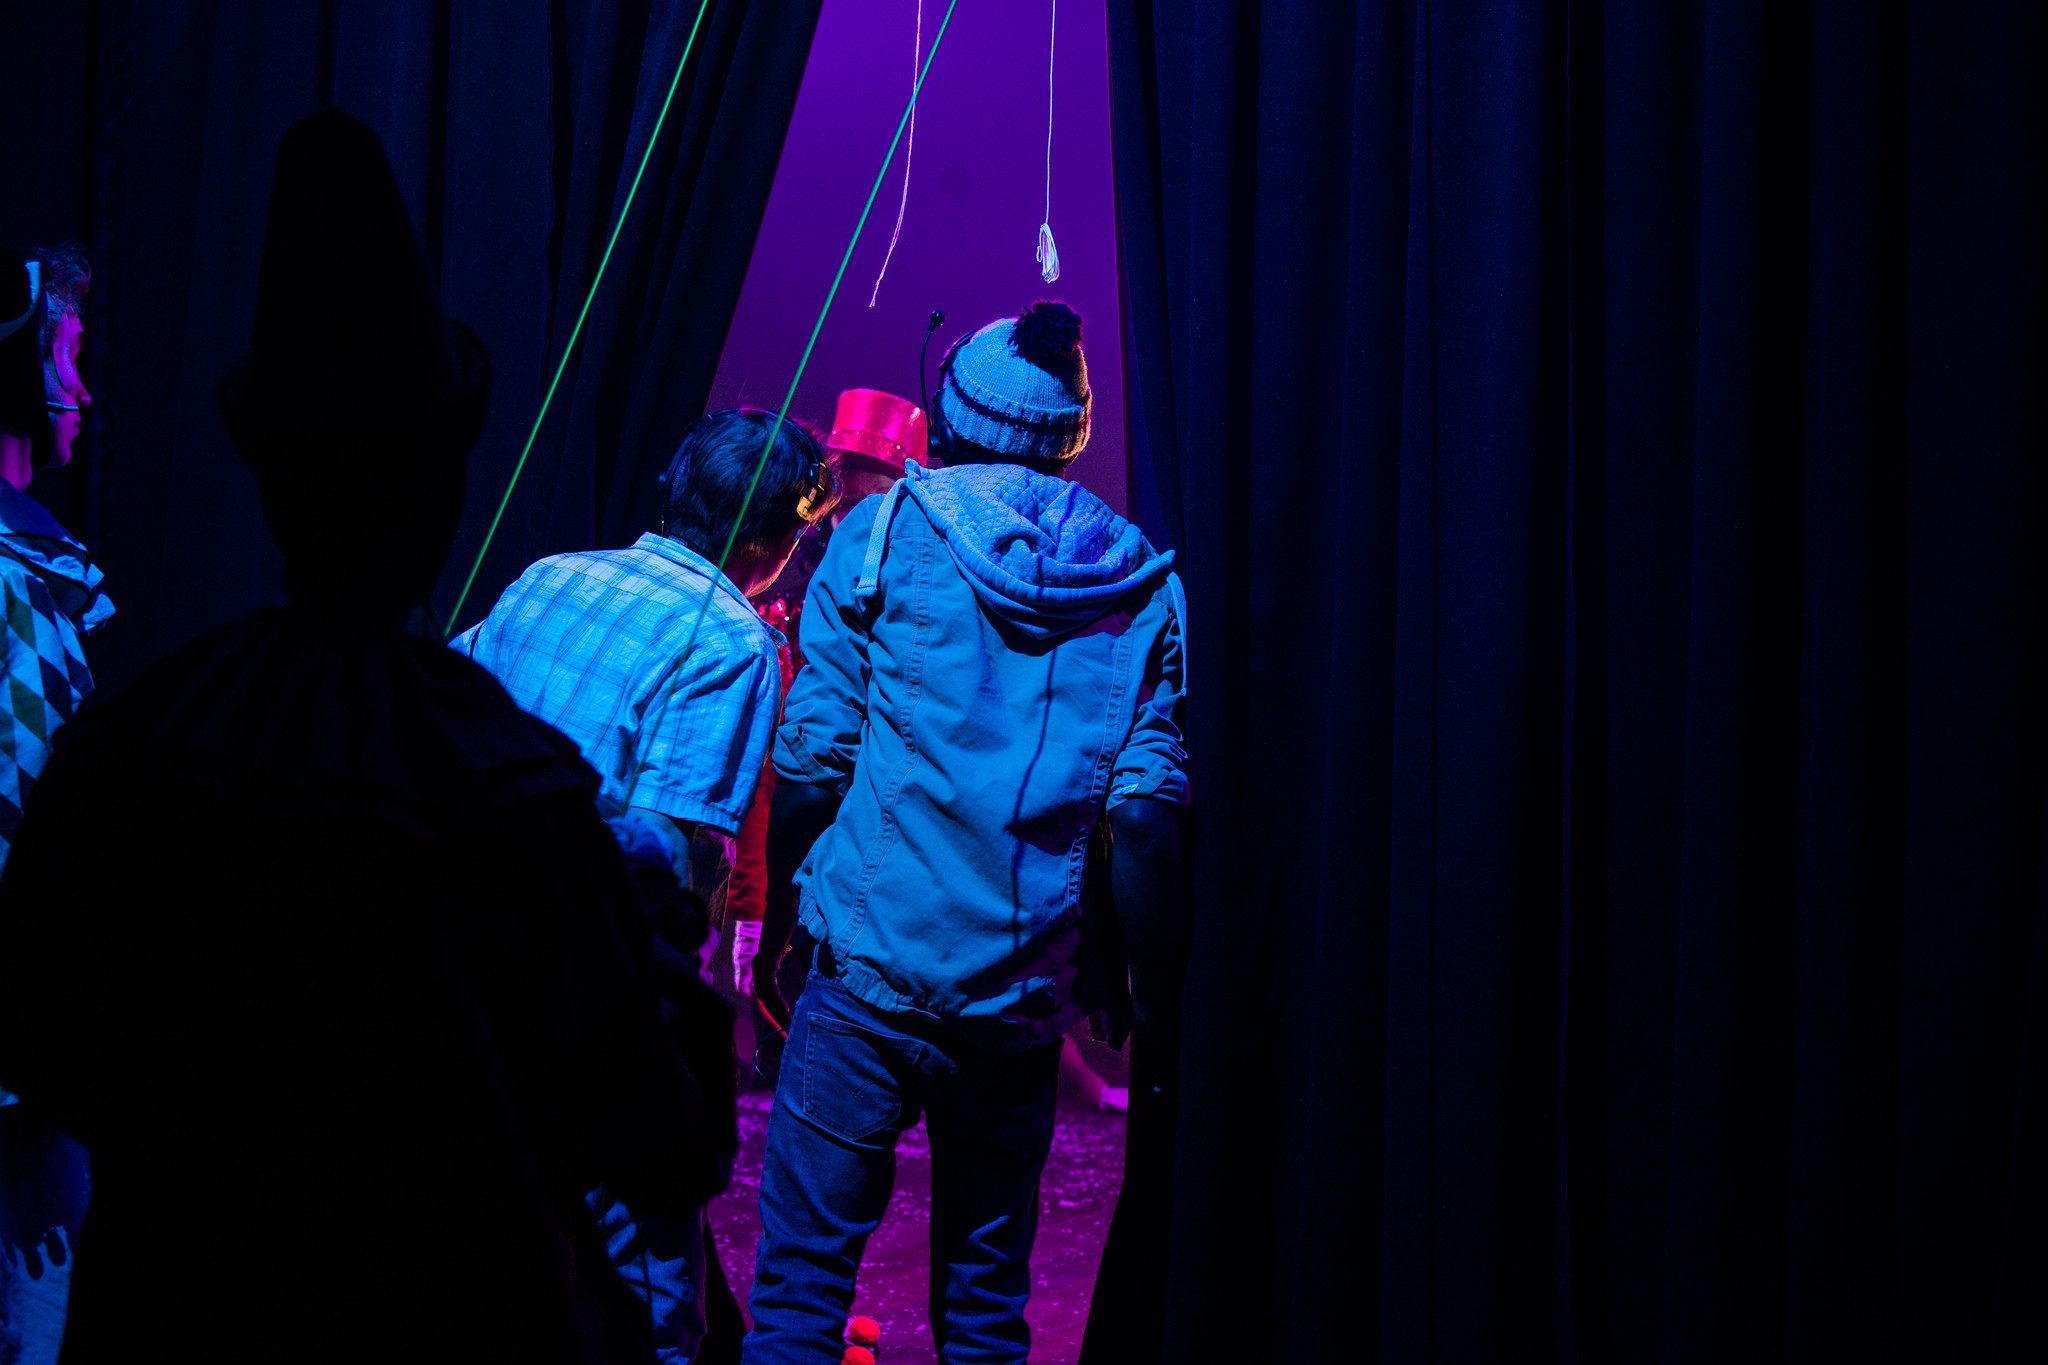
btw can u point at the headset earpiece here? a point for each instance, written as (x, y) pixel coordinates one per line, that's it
(939, 438)
(9, 326)
(820, 494)
(665, 483)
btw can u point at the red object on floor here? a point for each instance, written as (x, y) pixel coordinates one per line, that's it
(857, 1355)
(1078, 1194)
(863, 1331)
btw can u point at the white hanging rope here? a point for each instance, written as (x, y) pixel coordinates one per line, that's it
(916, 55)
(1048, 254)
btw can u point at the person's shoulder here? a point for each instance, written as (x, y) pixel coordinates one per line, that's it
(126, 715)
(856, 530)
(581, 576)
(569, 564)
(652, 575)
(494, 726)
(861, 519)
(225, 649)
(733, 628)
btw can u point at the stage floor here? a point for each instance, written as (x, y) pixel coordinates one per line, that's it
(1079, 1193)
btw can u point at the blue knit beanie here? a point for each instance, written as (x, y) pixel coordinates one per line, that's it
(1019, 386)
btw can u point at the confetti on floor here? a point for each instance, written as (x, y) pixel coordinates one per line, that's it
(1078, 1195)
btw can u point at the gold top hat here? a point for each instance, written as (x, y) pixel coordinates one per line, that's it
(879, 426)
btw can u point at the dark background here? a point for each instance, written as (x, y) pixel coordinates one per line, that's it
(1618, 684)
(515, 132)
(1602, 443)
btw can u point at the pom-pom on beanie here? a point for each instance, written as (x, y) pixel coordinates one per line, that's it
(1019, 386)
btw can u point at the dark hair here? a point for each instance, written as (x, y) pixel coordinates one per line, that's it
(67, 275)
(707, 480)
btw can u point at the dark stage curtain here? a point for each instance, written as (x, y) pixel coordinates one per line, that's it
(1604, 449)
(150, 132)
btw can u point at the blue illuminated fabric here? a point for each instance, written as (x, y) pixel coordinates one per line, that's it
(593, 644)
(993, 659)
(50, 592)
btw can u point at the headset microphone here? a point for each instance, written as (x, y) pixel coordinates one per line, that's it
(923, 387)
(937, 440)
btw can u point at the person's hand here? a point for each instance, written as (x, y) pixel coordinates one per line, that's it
(35, 1252)
(769, 1006)
(746, 946)
(41, 1174)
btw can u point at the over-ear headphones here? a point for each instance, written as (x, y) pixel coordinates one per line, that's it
(819, 494)
(25, 402)
(667, 480)
(9, 326)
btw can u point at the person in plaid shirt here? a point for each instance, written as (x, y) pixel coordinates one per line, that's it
(50, 592)
(661, 671)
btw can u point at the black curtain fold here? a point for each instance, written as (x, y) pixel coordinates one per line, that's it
(649, 345)
(515, 132)
(1599, 444)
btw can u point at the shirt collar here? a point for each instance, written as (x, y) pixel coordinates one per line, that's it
(676, 552)
(29, 534)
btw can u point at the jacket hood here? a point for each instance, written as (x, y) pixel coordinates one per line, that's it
(31, 536)
(1043, 555)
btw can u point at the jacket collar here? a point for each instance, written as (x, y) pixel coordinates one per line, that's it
(30, 535)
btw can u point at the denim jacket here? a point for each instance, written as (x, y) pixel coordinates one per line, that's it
(993, 659)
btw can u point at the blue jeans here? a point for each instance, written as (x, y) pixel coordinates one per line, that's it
(854, 1079)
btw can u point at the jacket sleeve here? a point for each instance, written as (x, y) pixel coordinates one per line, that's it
(746, 890)
(1154, 759)
(828, 703)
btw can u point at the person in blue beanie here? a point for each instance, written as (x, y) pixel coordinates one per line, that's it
(981, 773)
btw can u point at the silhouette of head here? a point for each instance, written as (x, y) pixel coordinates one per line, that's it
(353, 368)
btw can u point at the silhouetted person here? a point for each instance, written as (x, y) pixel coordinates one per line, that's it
(313, 936)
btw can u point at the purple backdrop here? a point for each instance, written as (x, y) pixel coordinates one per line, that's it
(977, 195)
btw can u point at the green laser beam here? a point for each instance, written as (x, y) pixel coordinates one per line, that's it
(577, 331)
(761, 465)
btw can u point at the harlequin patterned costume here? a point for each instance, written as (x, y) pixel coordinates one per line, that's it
(51, 594)
(50, 598)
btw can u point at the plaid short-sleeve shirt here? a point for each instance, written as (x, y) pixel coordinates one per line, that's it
(593, 643)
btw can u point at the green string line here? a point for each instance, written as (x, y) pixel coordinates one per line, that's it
(576, 332)
(761, 465)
